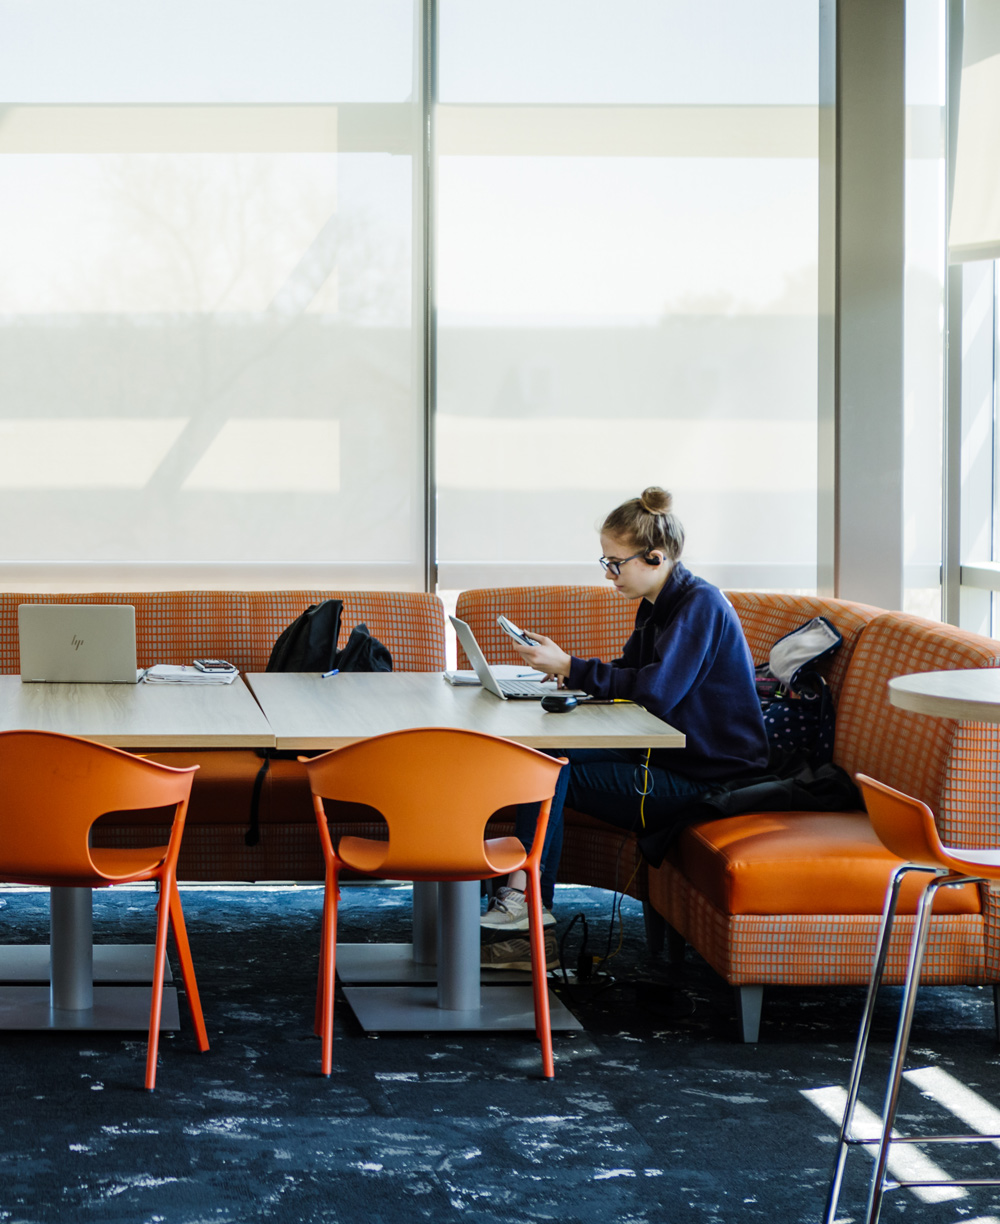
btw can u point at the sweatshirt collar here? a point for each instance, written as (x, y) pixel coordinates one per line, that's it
(678, 582)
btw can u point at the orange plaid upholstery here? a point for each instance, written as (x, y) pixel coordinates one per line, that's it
(591, 622)
(950, 766)
(242, 626)
(954, 767)
(813, 949)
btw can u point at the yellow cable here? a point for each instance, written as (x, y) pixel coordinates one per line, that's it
(645, 791)
(642, 820)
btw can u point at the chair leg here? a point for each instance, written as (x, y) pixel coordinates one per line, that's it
(159, 966)
(918, 946)
(676, 946)
(661, 938)
(328, 966)
(187, 966)
(857, 1066)
(318, 1013)
(656, 928)
(749, 1000)
(539, 976)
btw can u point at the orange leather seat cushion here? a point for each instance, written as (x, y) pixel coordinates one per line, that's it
(802, 863)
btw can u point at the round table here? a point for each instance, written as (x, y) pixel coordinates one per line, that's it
(971, 693)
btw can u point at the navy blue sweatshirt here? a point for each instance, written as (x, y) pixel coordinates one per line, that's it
(688, 663)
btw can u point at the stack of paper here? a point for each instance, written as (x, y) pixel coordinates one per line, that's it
(173, 673)
(502, 671)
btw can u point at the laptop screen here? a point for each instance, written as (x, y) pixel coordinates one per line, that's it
(77, 643)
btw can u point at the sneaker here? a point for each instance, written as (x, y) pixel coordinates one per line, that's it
(508, 910)
(516, 953)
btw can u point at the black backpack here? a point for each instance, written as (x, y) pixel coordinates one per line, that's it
(363, 653)
(309, 644)
(310, 641)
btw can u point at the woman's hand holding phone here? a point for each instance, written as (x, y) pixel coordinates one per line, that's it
(537, 650)
(544, 655)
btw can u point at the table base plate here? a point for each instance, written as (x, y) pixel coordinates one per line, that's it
(371, 963)
(115, 1008)
(394, 1009)
(114, 963)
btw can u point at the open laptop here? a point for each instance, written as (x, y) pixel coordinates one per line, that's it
(77, 643)
(525, 690)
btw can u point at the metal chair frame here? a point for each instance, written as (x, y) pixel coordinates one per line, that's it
(846, 1140)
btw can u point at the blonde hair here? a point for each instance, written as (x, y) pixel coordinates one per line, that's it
(649, 522)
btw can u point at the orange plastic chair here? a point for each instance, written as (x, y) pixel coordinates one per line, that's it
(52, 790)
(906, 827)
(436, 788)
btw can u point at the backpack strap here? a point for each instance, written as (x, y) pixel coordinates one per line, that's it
(252, 835)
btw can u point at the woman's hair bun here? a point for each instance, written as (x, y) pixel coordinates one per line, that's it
(647, 522)
(655, 500)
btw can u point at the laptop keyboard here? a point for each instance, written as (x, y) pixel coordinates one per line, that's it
(525, 688)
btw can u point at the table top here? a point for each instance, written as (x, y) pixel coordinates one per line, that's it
(308, 712)
(971, 693)
(139, 715)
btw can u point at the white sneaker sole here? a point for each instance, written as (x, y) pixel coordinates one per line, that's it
(497, 920)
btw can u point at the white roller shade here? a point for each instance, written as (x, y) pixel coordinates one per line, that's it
(975, 217)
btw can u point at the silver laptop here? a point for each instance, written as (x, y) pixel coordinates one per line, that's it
(526, 690)
(77, 643)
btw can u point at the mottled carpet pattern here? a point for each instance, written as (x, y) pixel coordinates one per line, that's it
(656, 1113)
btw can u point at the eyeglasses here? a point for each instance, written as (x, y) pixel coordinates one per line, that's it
(615, 567)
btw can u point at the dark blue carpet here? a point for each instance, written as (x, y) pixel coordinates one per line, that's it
(656, 1113)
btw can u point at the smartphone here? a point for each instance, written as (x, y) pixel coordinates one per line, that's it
(512, 631)
(214, 665)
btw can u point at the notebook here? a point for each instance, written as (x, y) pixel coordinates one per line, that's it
(525, 690)
(77, 643)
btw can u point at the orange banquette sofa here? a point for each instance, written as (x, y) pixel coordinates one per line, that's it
(242, 626)
(794, 898)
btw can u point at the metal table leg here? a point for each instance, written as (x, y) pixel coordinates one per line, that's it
(456, 1004)
(69, 998)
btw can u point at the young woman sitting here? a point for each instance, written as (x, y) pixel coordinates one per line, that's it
(687, 662)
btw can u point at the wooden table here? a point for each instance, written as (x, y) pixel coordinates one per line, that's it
(308, 712)
(56, 981)
(153, 716)
(971, 694)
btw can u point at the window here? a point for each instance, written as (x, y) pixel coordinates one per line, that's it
(210, 353)
(626, 295)
(213, 333)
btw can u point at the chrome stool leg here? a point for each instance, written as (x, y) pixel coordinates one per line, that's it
(906, 827)
(844, 1140)
(918, 946)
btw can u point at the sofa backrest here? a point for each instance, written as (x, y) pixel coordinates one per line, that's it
(953, 767)
(242, 626)
(766, 618)
(591, 622)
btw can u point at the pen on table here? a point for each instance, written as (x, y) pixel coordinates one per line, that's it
(333, 672)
